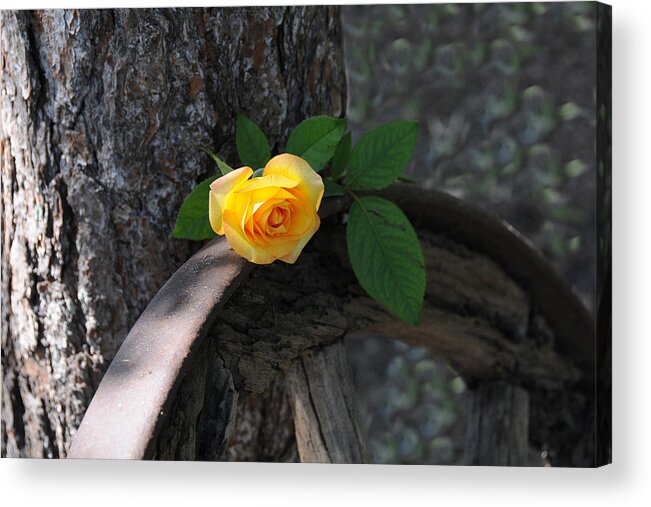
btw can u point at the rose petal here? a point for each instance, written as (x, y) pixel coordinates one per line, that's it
(291, 257)
(303, 217)
(219, 191)
(274, 181)
(295, 168)
(280, 247)
(239, 243)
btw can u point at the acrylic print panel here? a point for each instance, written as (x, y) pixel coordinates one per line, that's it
(357, 234)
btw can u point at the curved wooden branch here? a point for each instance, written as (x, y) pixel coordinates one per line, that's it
(494, 309)
(487, 234)
(131, 402)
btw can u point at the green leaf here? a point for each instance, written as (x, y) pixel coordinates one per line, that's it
(332, 189)
(224, 168)
(316, 139)
(342, 155)
(386, 256)
(192, 221)
(257, 173)
(252, 145)
(381, 155)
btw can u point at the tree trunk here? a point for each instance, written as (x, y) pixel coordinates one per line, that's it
(102, 114)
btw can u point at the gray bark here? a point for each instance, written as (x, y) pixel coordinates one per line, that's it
(102, 112)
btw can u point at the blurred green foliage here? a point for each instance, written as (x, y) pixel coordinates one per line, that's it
(505, 95)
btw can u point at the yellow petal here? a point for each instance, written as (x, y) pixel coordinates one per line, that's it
(295, 168)
(219, 190)
(262, 196)
(266, 181)
(280, 247)
(238, 241)
(263, 209)
(303, 217)
(291, 257)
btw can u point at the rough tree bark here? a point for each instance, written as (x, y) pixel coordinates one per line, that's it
(102, 112)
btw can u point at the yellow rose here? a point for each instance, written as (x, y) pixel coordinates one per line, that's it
(270, 217)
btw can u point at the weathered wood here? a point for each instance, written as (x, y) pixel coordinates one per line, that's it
(498, 426)
(157, 358)
(102, 112)
(475, 317)
(264, 427)
(326, 415)
(199, 426)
